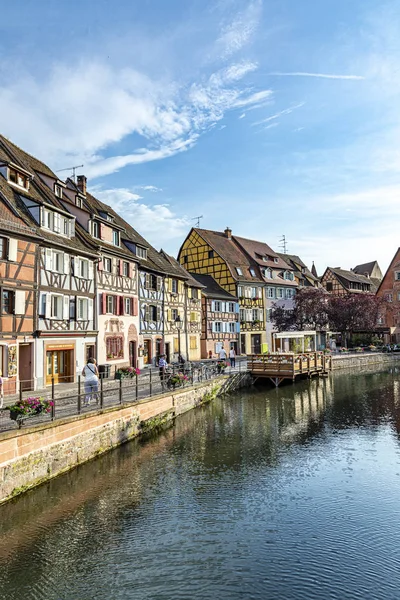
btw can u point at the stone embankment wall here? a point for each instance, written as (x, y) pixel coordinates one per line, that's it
(33, 455)
(352, 361)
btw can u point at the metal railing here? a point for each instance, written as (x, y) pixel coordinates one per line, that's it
(113, 390)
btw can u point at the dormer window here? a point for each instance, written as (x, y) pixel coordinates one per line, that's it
(239, 271)
(141, 252)
(18, 178)
(58, 190)
(96, 229)
(276, 259)
(54, 221)
(78, 201)
(252, 273)
(116, 238)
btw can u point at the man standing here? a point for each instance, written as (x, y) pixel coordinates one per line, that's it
(162, 366)
(222, 354)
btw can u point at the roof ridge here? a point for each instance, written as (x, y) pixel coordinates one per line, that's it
(5, 140)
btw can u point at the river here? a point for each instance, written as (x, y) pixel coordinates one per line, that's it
(288, 494)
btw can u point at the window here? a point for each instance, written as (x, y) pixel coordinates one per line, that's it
(242, 315)
(152, 313)
(193, 317)
(195, 293)
(268, 273)
(58, 262)
(141, 252)
(289, 293)
(255, 316)
(110, 305)
(114, 347)
(240, 291)
(211, 254)
(217, 327)
(389, 297)
(288, 275)
(174, 314)
(239, 271)
(279, 293)
(185, 259)
(270, 292)
(232, 327)
(107, 264)
(174, 286)
(58, 190)
(56, 307)
(18, 178)
(252, 273)
(84, 268)
(397, 275)
(217, 306)
(193, 342)
(276, 259)
(3, 247)
(398, 296)
(116, 238)
(57, 223)
(269, 315)
(380, 320)
(128, 306)
(65, 226)
(152, 282)
(254, 292)
(231, 307)
(125, 269)
(329, 286)
(82, 309)
(78, 201)
(8, 301)
(96, 229)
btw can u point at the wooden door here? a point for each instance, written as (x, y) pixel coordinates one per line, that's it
(147, 352)
(25, 373)
(132, 354)
(256, 343)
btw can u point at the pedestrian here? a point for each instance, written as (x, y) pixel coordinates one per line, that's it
(162, 367)
(232, 357)
(222, 354)
(210, 354)
(91, 375)
(1, 390)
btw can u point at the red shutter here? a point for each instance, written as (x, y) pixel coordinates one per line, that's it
(135, 307)
(103, 304)
(122, 305)
(121, 268)
(117, 305)
(131, 271)
(100, 266)
(102, 230)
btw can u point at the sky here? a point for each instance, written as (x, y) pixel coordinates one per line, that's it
(272, 117)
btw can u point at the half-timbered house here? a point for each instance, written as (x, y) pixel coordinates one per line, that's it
(220, 318)
(302, 274)
(65, 323)
(363, 279)
(182, 312)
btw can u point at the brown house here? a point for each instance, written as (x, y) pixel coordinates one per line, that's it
(363, 279)
(220, 318)
(389, 289)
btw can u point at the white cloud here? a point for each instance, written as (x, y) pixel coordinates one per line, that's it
(238, 32)
(320, 75)
(286, 111)
(150, 188)
(242, 116)
(158, 223)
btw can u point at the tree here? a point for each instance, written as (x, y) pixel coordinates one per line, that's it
(309, 311)
(353, 312)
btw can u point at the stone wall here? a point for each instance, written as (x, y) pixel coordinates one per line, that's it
(343, 361)
(33, 455)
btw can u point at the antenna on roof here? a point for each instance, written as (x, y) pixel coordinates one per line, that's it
(73, 169)
(197, 219)
(283, 244)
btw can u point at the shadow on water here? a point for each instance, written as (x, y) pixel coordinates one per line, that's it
(233, 501)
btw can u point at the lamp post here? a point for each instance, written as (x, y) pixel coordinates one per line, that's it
(178, 324)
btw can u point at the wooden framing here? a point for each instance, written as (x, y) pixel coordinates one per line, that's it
(278, 367)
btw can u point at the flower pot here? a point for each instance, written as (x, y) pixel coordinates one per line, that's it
(14, 414)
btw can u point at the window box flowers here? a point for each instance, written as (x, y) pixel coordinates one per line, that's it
(126, 372)
(29, 407)
(178, 379)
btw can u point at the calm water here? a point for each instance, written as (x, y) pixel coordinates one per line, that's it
(273, 495)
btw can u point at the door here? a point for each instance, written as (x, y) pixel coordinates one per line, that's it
(158, 348)
(243, 343)
(256, 343)
(59, 366)
(132, 354)
(25, 373)
(147, 352)
(168, 352)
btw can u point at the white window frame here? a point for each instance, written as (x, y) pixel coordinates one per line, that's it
(174, 286)
(57, 300)
(232, 327)
(107, 260)
(280, 294)
(128, 306)
(82, 263)
(239, 271)
(253, 273)
(110, 303)
(271, 293)
(115, 237)
(82, 309)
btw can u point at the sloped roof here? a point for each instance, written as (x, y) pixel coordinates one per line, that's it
(259, 249)
(29, 162)
(349, 276)
(231, 252)
(295, 262)
(211, 288)
(372, 268)
(180, 270)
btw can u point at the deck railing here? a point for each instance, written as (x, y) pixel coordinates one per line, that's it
(289, 365)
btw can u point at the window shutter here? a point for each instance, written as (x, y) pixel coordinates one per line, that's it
(134, 307)
(169, 315)
(100, 265)
(121, 305)
(66, 264)
(117, 305)
(147, 313)
(167, 284)
(66, 307)
(158, 311)
(90, 271)
(189, 292)
(19, 308)
(103, 303)
(77, 266)
(147, 281)
(90, 309)
(213, 306)
(102, 231)
(158, 286)
(12, 249)
(120, 267)
(49, 259)
(47, 305)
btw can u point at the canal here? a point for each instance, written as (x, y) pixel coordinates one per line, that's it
(288, 494)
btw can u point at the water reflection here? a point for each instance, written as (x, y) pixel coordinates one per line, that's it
(288, 493)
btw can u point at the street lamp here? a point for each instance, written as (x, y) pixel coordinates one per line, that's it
(178, 325)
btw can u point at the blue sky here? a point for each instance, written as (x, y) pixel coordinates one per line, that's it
(272, 117)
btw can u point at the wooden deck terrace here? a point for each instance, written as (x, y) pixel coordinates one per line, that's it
(278, 367)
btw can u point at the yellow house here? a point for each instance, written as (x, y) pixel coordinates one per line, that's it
(182, 314)
(223, 256)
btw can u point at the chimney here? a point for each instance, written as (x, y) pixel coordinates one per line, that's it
(228, 233)
(82, 183)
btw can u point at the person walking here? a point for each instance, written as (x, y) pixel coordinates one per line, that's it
(222, 354)
(162, 367)
(232, 357)
(91, 375)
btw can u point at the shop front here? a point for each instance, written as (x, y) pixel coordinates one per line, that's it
(60, 363)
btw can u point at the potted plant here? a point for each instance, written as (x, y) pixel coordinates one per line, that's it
(178, 379)
(221, 366)
(124, 372)
(29, 407)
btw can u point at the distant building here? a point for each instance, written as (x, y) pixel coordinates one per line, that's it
(363, 279)
(220, 318)
(303, 275)
(389, 319)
